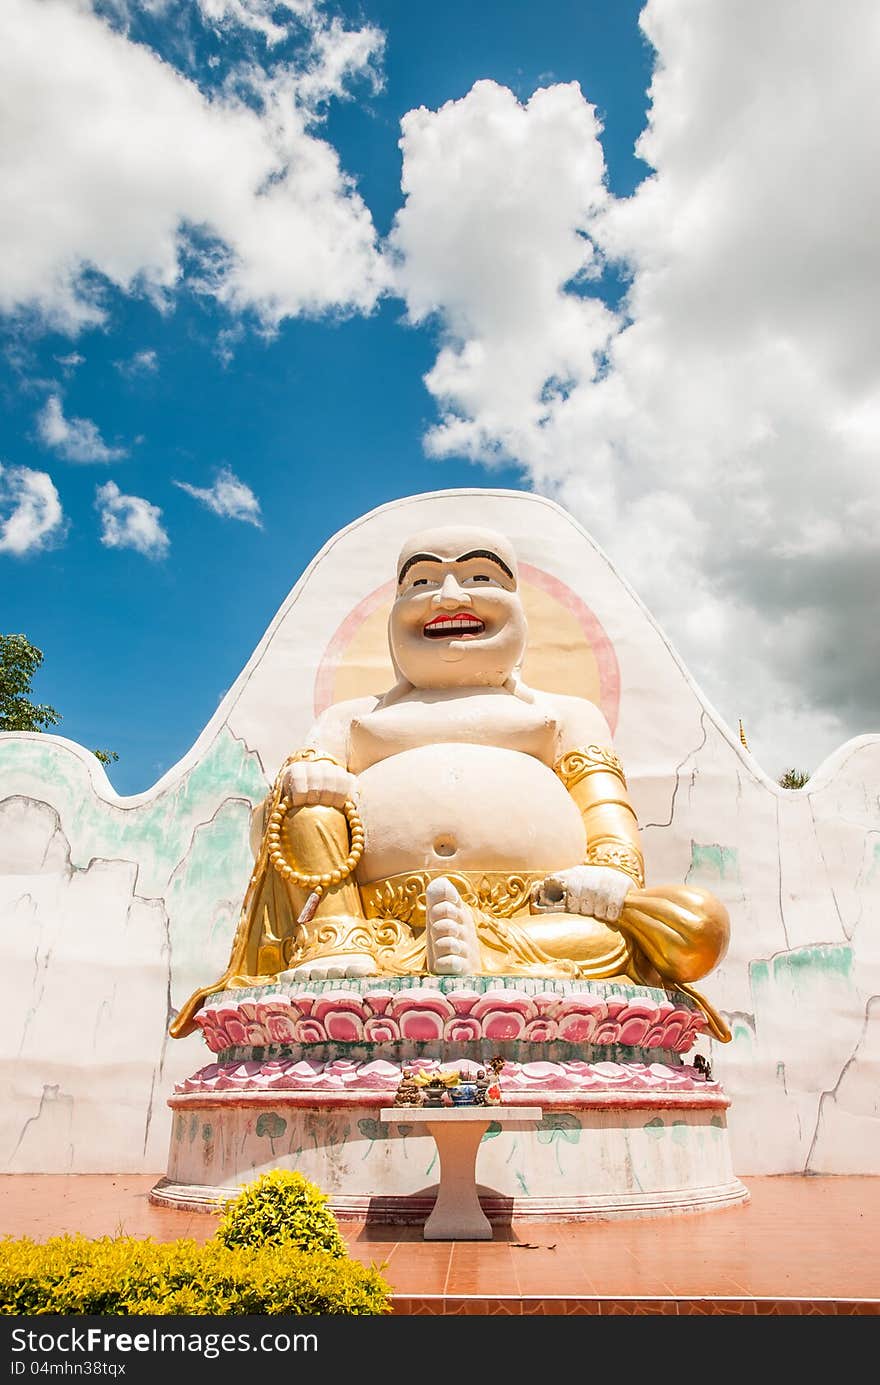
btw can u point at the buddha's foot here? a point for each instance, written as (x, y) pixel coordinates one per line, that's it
(332, 968)
(450, 932)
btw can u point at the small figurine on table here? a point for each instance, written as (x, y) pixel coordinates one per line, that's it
(493, 1090)
(482, 1084)
(434, 1091)
(408, 1093)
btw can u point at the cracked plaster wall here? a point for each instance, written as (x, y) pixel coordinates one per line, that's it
(112, 910)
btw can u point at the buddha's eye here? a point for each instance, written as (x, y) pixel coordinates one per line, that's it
(420, 582)
(479, 577)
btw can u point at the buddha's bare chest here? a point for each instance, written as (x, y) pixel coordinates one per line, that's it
(480, 718)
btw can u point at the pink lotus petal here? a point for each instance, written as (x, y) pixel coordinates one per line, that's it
(577, 1028)
(281, 1029)
(462, 1001)
(542, 1071)
(614, 1005)
(334, 1002)
(423, 1000)
(343, 1026)
(303, 1002)
(498, 1000)
(503, 1024)
(379, 1074)
(308, 1031)
(273, 1005)
(645, 1009)
(379, 1030)
(377, 1002)
(459, 1031)
(633, 1030)
(420, 1024)
(546, 1003)
(541, 1031)
(606, 1033)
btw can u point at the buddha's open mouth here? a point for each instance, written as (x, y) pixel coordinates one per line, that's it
(461, 625)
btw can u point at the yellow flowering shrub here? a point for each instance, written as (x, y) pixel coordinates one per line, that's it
(281, 1208)
(125, 1275)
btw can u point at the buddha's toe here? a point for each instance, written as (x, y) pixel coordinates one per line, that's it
(351, 964)
(441, 891)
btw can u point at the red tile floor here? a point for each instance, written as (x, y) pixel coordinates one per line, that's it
(799, 1246)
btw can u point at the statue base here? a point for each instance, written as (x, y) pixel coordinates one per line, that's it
(628, 1128)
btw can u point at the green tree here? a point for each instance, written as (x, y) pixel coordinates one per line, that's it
(19, 661)
(794, 778)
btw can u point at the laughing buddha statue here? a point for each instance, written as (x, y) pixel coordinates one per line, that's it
(462, 823)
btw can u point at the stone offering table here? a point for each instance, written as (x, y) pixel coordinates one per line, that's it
(457, 1132)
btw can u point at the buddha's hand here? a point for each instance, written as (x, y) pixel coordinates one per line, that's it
(598, 891)
(318, 782)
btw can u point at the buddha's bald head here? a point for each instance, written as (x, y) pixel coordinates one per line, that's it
(457, 620)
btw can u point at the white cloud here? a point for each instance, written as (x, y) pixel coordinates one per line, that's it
(259, 15)
(129, 521)
(141, 363)
(113, 163)
(70, 362)
(30, 511)
(724, 449)
(499, 200)
(76, 439)
(228, 497)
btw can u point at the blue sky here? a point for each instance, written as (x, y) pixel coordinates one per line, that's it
(696, 362)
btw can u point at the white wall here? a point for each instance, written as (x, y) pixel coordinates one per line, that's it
(112, 910)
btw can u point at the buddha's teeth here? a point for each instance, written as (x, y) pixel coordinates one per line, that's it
(456, 627)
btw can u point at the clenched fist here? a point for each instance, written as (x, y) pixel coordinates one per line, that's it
(318, 781)
(595, 890)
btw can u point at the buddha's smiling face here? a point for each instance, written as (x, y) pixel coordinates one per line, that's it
(457, 620)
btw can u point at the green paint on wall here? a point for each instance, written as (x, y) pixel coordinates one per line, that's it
(803, 968)
(680, 1132)
(709, 861)
(270, 1124)
(155, 834)
(561, 1125)
(655, 1128)
(373, 1130)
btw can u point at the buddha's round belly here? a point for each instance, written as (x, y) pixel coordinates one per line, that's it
(466, 807)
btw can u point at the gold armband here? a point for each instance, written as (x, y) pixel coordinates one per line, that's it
(594, 777)
(311, 754)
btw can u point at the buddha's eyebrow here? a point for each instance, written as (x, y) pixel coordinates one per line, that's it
(417, 558)
(462, 558)
(484, 553)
